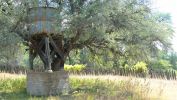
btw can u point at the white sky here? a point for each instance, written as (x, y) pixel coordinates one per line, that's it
(169, 6)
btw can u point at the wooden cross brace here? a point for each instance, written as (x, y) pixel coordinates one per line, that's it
(47, 50)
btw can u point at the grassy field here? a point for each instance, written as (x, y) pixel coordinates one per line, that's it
(154, 89)
(90, 87)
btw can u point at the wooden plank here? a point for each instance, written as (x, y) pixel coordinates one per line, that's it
(56, 48)
(47, 53)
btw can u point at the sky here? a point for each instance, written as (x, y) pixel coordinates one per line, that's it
(168, 6)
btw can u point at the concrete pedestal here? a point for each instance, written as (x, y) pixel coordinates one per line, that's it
(45, 83)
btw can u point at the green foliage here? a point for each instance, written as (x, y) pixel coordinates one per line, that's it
(140, 67)
(161, 64)
(164, 61)
(125, 29)
(12, 85)
(74, 68)
(173, 59)
(9, 40)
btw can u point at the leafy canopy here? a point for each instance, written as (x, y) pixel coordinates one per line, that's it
(126, 28)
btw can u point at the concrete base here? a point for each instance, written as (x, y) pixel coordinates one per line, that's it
(45, 84)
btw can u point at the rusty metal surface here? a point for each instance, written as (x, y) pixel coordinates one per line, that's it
(43, 20)
(42, 14)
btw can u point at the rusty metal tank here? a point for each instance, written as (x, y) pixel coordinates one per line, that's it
(43, 20)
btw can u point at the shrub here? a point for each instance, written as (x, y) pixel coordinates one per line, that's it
(126, 66)
(140, 67)
(12, 84)
(74, 68)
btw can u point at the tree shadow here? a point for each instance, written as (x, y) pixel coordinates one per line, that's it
(22, 95)
(18, 95)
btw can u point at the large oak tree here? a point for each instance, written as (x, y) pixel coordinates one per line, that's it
(124, 27)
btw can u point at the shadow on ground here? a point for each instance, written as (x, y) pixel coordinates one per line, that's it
(22, 95)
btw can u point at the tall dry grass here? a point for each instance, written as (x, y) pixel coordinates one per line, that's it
(4, 75)
(91, 87)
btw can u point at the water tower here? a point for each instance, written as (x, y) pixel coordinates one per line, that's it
(45, 41)
(43, 37)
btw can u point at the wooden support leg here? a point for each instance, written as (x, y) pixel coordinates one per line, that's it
(50, 53)
(47, 53)
(32, 55)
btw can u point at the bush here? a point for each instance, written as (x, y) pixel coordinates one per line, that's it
(161, 64)
(13, 84)
(140, 67)
(74, 68)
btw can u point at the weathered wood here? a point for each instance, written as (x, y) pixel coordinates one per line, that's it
(47, 53)
(56, 48)
(55, 54)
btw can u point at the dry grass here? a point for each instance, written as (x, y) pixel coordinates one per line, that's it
(164, 88)
(10, 76)
(158, 89)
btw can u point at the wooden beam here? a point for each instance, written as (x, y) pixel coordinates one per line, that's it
(47, 53)
(59, 52)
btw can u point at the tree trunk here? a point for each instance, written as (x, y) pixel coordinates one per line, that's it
(58, 64)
